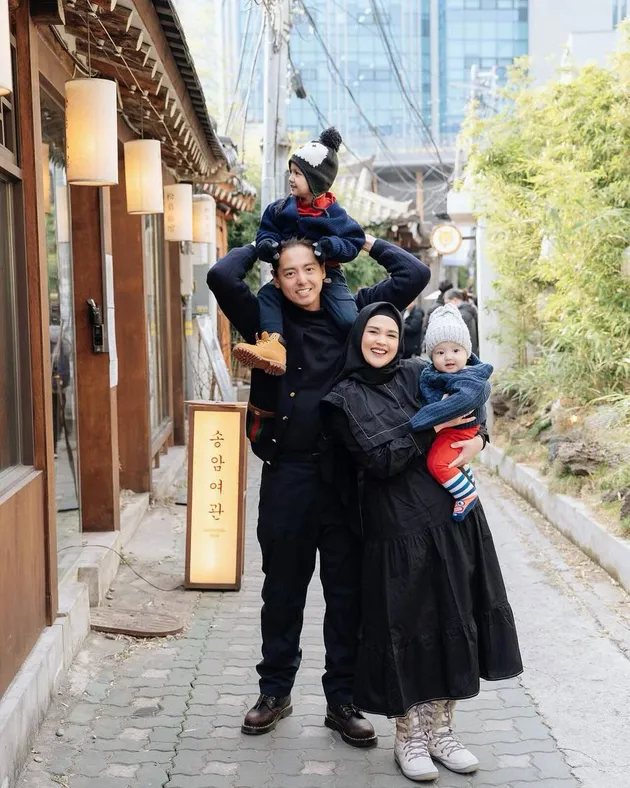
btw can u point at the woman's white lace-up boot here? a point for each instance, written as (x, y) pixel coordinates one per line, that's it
(411, 744)
(444, 746)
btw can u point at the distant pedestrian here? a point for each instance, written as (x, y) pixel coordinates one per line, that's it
(443, 287)
(469, 314)
(310, 211)
(435, 614)
(414, 321)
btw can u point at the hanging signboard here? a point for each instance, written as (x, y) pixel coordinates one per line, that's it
(217, 473)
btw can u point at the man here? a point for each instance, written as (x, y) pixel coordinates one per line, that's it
(468, 312)
(299, 512)
(414, 319)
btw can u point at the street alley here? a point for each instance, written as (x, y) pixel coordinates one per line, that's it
(168, 712)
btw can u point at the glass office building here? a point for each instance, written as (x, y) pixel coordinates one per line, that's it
(433, 44)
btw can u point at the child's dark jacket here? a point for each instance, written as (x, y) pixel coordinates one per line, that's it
(282, 220)
(468, 391)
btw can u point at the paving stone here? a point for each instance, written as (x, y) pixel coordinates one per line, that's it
(90, 764)
(551, 765)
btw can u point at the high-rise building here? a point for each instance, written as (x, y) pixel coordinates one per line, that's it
(405, 63)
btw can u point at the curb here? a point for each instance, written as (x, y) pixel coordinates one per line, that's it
(567, 514)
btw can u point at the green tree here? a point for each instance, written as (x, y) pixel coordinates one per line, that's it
(551, 176)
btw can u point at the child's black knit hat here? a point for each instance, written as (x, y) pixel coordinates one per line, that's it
(318, 160)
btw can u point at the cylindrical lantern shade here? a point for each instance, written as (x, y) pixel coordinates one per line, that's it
(91, 132)
(6, 71)
(178, 212)
(204, 219)
(143, 177)
(46, 177)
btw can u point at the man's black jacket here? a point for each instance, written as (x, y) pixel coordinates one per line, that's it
(271, 398)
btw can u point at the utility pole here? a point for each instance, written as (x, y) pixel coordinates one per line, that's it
(275, 95)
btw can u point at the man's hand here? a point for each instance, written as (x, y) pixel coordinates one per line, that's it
(369, 242)
(268, 250)
(469, 450)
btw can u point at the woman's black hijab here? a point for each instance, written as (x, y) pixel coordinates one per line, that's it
(355, 366)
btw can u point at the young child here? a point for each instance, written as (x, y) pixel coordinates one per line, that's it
(310, 211)
(455, 384)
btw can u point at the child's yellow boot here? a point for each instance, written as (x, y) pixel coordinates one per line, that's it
(268, 354)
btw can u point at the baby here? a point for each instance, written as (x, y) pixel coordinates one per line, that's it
(454, 385)
(311, 211)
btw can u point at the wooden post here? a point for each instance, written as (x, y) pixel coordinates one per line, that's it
(96, 399)
(134, 421)
(27, 84)
(177, 346)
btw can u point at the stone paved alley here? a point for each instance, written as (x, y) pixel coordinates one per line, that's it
(167, 712)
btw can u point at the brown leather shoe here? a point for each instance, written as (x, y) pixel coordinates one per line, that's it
(352, 725)
(268, 354)
(265, 713)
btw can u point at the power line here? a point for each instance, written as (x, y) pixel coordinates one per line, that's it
(241, 62)
(403, 89)
(251, 81)
(332, 64)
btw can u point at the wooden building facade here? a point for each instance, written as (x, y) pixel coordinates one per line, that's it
(77, 426)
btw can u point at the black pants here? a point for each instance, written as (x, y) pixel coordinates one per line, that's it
(298, 515)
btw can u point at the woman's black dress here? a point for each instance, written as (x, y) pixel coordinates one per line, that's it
(435, 612)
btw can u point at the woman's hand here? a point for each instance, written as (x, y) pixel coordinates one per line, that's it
(458, 422)
(469, 450)
(369, 243)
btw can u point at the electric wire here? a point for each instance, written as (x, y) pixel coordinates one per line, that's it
(334, 68)
(398, 72)
(241, 62)
(250, 83)
(123, 559)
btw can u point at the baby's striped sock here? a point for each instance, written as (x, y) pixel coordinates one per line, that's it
(462, 488)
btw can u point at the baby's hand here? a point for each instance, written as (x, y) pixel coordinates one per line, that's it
(322, 250)
(268, 250)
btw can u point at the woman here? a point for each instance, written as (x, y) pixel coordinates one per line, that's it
(435, 613)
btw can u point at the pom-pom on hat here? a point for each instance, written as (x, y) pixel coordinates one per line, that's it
(318, 160)
(447, 325)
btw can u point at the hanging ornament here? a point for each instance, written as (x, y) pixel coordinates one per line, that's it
(143, 177)
(178, 212)
(204, 219)
(91, 132)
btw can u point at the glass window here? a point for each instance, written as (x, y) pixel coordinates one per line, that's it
(10, 438)
(61, 329)
(155, 277)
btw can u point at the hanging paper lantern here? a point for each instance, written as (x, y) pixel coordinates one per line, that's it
(204, 219)
(46, 177)
(178, 212)
(6, 70)
(91, 132)
(143, 177)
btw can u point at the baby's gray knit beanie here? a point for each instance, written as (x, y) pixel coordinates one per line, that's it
(447, 325)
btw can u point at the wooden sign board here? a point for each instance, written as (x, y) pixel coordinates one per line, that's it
(217, 474)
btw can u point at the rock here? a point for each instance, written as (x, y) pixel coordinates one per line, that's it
(576, 456)
(59, 732)
(625, 507)
(38, 759)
